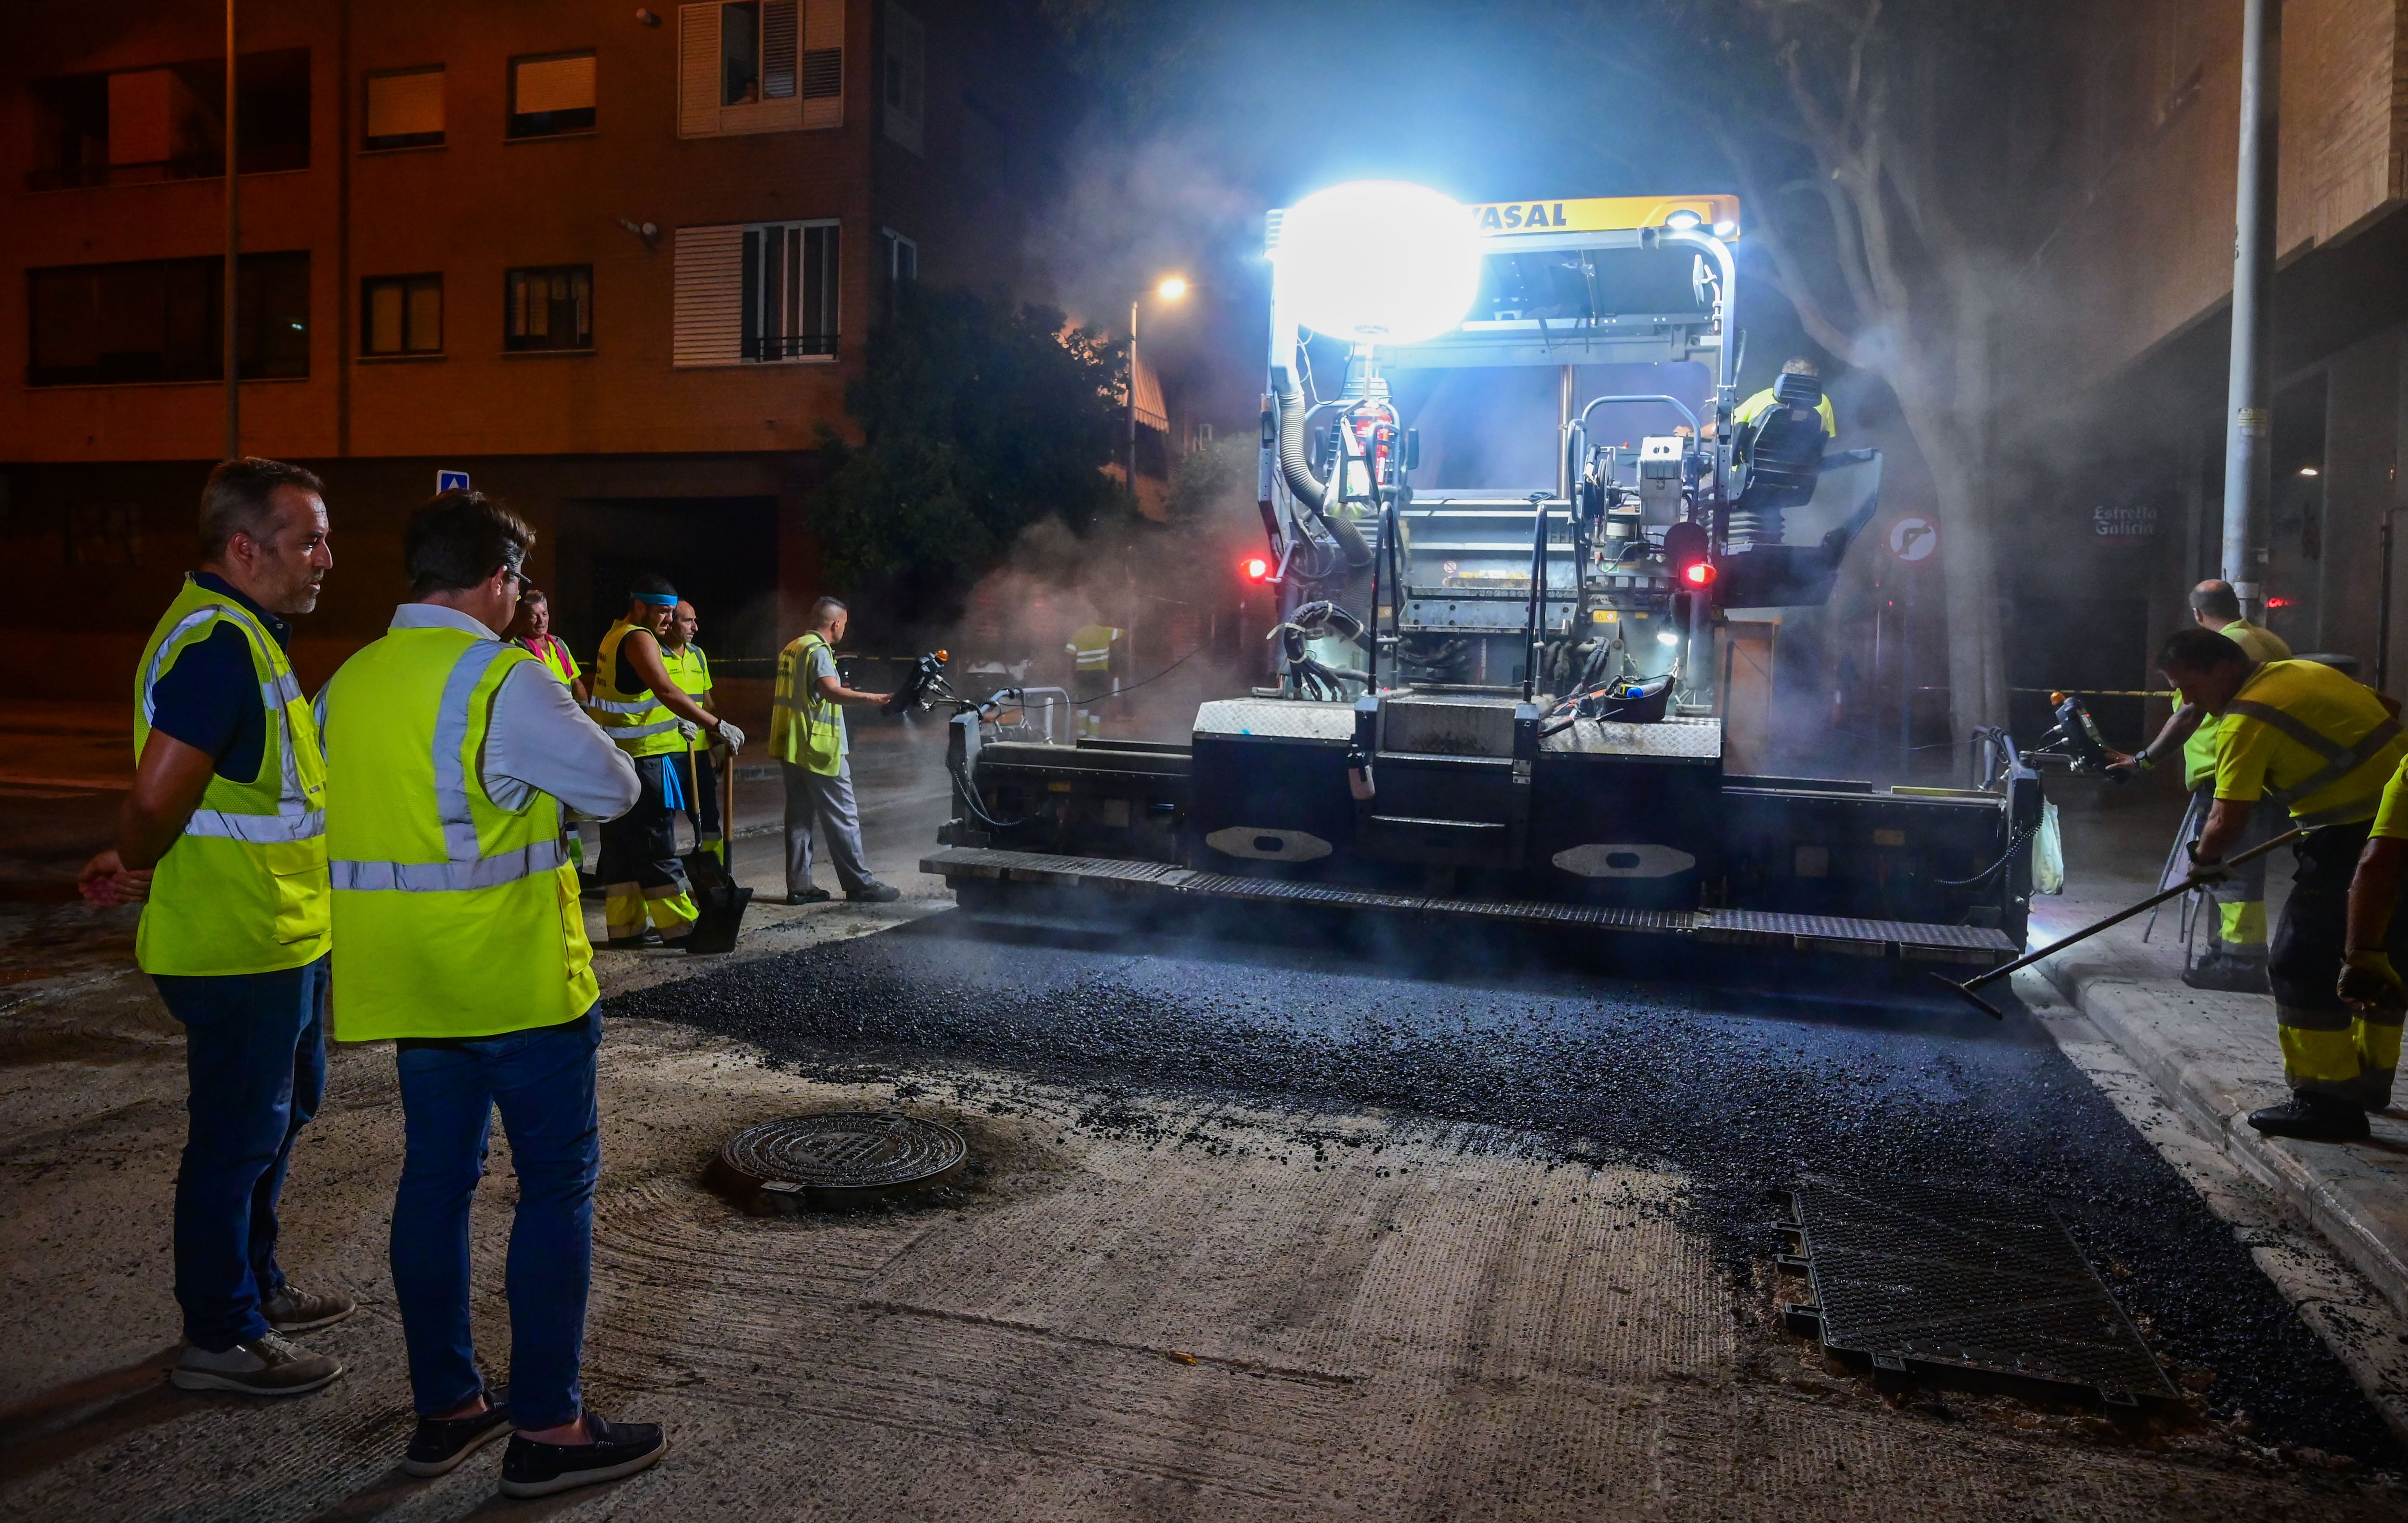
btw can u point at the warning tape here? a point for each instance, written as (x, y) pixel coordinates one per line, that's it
(2102, 692)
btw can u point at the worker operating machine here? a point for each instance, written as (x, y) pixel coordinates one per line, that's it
(1510, 520)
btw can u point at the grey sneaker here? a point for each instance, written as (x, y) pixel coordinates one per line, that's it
(292, 1309)
(268, 1365)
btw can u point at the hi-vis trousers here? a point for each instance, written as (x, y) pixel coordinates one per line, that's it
(2327, 1047)
(639, 870)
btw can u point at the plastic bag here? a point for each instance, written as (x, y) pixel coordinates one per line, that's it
(2048, 854)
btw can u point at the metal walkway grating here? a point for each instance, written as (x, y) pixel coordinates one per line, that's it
(1915, 1273)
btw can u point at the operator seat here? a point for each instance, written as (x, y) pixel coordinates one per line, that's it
(1783, 450)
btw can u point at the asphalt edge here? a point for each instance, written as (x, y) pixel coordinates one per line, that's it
(2121, 1008)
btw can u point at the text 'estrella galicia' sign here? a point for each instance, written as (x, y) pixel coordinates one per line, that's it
(2124, 524)
(450, 481)
(1914, 538)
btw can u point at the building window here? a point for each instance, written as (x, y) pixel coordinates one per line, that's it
(552, 95)
(759, 292)
(550, 308)
(760, 66)
(405, 109)
(904, 91)
(401, 314)
(160, 319)
(168, 122)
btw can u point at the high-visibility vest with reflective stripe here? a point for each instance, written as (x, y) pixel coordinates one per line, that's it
(1091, 647)
(556, 659)
(811, 734)
(2258, 643)
(638, 720)
(2335, 748)
(243, 890)
(689, 668)
(461, 912)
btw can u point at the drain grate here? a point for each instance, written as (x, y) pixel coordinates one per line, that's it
(1936, 1278)
(842, 1158)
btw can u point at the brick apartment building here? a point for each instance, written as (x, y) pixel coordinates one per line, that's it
(618, 263)
(2121, 331)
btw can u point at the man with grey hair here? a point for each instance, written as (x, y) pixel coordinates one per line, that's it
(222, 841)
(806, 736)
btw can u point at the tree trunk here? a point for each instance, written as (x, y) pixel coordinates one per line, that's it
(1954, 444)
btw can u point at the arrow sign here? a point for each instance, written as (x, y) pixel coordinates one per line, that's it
(1913, 539)
(450, 481)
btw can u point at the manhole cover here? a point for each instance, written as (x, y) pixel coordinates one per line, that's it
(839, 1159)
(1934, 1278)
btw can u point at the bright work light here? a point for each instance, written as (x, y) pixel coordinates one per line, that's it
(1378, 261)
(1682, 221)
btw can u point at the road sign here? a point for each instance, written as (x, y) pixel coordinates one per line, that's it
(450, 481)
(1914, 538)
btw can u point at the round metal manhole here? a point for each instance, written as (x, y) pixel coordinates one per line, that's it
(842, 1158)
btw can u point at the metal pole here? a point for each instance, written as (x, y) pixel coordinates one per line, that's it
(1132, 419)
(2248, 441)
(231, 296)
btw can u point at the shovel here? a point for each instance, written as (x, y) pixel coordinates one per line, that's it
(719, 903)
(2089, 931)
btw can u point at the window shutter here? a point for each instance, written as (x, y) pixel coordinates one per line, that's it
(406, 104)
(554, 84)
(778, 46)
(708, 307)
(822, 63)
(698, 71)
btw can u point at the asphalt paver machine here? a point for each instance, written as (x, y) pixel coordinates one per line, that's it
(1499, 706)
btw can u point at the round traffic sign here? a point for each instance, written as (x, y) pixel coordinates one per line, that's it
(1914, 538)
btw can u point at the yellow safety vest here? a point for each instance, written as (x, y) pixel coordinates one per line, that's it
(691, 670)
(461, 914)
(637, 719)
(1091, 647)
(2320, 743)
(556, 659)
(2198, 752)
(817, 742)
(1766, 401)
(243, 890)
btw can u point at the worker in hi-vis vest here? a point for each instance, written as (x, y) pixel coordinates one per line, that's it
(691, 670)
(1091, 648)
(451, 752)
(2326, 746)
(222, 841)
(639, 704)
(534, 631)
(806, 736)
(2235, 959)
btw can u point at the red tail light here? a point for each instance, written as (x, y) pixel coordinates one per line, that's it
(1255, 567)
(1699, 573)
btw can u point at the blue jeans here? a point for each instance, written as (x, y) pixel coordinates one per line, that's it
(543, 1082)
(255, 1055)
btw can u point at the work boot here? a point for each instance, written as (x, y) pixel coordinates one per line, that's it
(292, 1309)
(439, 1444)
(2312, 1118)
(874, 894)
(267, 1365)
(810, 895)
(643, 939)
(2225, 973)
(537, 1470)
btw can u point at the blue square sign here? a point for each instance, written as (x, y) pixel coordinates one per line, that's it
(450, 481)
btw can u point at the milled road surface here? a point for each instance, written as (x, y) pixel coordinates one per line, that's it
(1736, 1095)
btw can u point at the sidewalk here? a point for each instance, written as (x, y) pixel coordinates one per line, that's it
(2213, 1055)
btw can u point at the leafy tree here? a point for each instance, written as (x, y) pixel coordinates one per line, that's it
(977, 419)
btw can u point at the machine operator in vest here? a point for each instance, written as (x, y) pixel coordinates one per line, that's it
(2324, 745)
(453, 752)
(223, 837)
(638, 702)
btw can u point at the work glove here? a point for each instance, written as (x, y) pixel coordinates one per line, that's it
(2368, 980)
(2204, 873)
(689, 732)
(730, 736)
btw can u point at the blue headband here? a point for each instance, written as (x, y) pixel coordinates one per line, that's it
(662, 599)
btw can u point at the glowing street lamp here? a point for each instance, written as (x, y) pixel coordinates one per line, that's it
(1169, 288)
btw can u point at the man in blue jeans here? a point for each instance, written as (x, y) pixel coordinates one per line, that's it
(453, 751)
(223, 838)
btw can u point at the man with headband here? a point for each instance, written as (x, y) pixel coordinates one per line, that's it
(638, 703)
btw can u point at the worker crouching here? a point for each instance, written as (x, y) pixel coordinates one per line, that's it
(2326, 746)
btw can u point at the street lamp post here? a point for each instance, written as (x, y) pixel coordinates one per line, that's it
(1170, 288)
(231, 295)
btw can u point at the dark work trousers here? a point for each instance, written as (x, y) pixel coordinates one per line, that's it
(2328, 1048)
(639, 868)
(542, 1083)
(255, 1054)
(701, 785)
